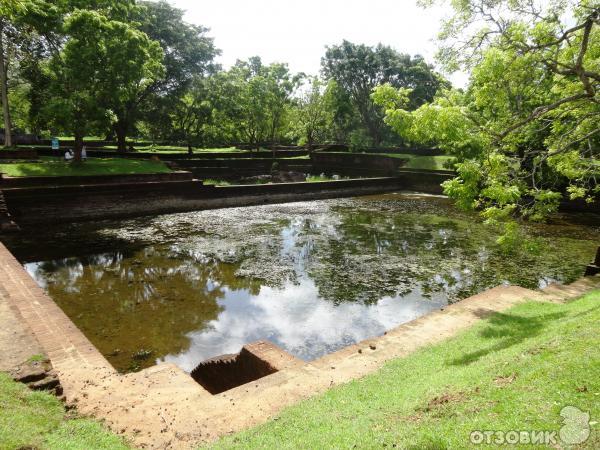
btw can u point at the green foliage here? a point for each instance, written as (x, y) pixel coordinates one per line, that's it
(312, 116)
(358, 69)
(167, 106)
(525, 132)
(102, 58)
(250, 102)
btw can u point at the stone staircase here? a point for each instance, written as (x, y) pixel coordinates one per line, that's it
(564, 292)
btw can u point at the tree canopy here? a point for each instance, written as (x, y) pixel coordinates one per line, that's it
(527, 128)
(358, 69)
(102, 67)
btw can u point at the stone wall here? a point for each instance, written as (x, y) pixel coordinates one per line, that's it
(42, 181)
(355, 163)
(42, 205)
(20, 153)
(237, 168)
(181, 155)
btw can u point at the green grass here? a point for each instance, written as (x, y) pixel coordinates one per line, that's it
(296, 157)
(38, 420)
(323, 177)
(87, 138)
(422, 162)
(49, 166)
(36, 358)
(436, 162)
(214, 182)
(514, 371)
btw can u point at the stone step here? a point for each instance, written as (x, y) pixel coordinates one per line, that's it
(578, 288)
(589, 283)
(562, 291)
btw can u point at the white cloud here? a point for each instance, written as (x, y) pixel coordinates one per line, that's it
(299, 321)
(297, 32)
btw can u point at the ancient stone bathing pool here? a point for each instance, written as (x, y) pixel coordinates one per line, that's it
(311, 277)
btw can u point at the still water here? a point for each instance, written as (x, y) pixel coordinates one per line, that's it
(311, 277)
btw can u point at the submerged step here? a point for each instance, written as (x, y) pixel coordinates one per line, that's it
(254, 361)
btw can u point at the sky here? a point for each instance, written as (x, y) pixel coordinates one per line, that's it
(296, 32)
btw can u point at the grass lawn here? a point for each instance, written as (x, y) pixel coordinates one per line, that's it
(87, 138)
(215, 182)
(415, 161)
(38, 420)
(323, 177)
(49, 166)
(514, 371)
(422, 162)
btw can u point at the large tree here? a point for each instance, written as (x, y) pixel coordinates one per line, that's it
(527, 129)
(192, 114)
(261, 94)
(188, 55)
(102, 66)
(358, 69)
(9, 9)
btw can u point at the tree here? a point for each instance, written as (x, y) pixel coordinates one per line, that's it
(358, 69)
(191, 114)
(188, 55)
(526, 131)
(253, 106)
(102, 66)
(312, 115)
(261, 94)
(8, 10)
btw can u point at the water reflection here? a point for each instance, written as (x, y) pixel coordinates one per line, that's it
(297, 319)
(139, 307)
(312, 277)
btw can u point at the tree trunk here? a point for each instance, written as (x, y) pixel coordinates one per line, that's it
(121, 130)
(4, 88)
(190, 149)
(78, 147)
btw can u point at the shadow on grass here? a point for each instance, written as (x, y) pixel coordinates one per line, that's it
(510, 329)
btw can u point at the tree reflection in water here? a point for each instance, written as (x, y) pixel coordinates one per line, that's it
(311, 276)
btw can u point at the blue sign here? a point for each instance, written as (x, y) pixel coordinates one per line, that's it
(55, 144)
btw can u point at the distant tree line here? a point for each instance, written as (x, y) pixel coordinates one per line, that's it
(135, 69)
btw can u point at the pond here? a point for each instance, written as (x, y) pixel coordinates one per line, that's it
(312, 277)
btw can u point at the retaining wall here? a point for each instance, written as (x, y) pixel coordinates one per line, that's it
(238, 168)
(55, 204)
(14, 182)
(20, 153)
(355, 163)
(106, 153)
